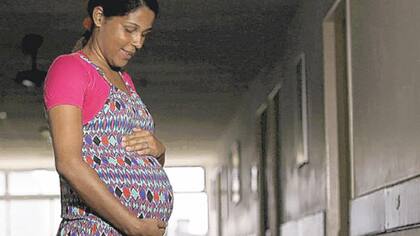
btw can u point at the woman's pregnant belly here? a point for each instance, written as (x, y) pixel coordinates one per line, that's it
(139, 182)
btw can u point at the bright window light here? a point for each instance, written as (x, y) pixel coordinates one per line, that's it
(186, 179)
(36, 215)
(190, 216)
(3, 217)
(2, 183)
(35, 182)
(55, 210)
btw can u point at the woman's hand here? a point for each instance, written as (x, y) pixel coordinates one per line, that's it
(67, 136)
(148, 227)
(144, 143)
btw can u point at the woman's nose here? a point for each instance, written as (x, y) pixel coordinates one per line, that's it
(138, 41)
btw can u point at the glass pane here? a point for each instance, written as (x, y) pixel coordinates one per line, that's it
(3, 217)
(34, 182)
(2, 183)
(190, 216)
(186, 179)
(30, 217)
(56, 212)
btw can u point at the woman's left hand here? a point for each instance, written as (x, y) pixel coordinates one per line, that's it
(144, 143)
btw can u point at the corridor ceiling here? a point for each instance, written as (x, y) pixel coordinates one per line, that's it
(194, 67)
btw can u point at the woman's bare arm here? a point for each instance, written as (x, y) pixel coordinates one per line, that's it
(66, 129)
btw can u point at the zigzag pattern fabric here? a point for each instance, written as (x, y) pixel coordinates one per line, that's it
(138, 181)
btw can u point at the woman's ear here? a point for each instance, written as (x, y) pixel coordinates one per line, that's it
(98, 16)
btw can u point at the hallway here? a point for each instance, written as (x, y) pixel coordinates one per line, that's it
(280, 117)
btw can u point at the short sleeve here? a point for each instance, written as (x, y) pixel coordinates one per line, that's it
(66, 83)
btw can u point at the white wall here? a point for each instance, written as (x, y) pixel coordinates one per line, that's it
(386, 56)
(303, 189)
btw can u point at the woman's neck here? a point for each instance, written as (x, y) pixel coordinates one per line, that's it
(94, 53)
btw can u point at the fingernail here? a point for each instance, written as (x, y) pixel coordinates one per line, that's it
(123, 144)
(128, 148)
(124, 138)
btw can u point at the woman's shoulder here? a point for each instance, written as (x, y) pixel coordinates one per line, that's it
(66, 82)
(67, 70)
(70, 61)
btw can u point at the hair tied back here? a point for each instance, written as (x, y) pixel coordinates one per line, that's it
(87, 23)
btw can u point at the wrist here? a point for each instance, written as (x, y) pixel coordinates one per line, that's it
(133, 227)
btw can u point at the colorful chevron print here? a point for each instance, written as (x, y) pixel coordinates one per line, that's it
(139, 182)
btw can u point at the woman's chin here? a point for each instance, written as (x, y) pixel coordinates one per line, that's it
(118, 64)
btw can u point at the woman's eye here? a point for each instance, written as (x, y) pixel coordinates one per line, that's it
(130, 30)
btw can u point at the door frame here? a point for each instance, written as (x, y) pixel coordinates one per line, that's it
(274, 160)
(340, 177)
(262, 162)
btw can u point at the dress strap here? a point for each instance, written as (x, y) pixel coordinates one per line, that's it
(99, 70)
(127, 85)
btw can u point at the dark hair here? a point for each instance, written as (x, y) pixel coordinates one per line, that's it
(121, 7)
(115, 8)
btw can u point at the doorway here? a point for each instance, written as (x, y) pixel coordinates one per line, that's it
(337, 123)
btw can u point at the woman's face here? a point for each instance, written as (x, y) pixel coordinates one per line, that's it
(119, 37)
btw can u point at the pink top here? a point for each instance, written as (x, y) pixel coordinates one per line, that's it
(73, 81)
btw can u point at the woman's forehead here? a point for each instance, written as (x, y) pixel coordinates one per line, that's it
(142, 17)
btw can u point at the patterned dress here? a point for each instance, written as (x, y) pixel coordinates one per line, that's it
(138, 181)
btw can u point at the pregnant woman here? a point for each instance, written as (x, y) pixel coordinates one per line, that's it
(109, 160)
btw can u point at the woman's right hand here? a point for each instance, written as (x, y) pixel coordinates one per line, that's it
(148, 227)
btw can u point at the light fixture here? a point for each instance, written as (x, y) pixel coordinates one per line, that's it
(3, 115)
(34, 77)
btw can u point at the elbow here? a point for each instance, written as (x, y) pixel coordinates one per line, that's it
(61, 168)
(65, 167)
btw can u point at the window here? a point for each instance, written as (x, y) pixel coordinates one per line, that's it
(2, 183)
(3, 217)
(31, 197)
(190, 214)
(186, 179)
(38, 216)
(35, 182)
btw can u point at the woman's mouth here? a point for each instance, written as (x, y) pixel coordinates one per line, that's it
(127, 54)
